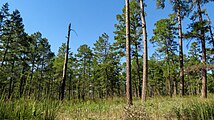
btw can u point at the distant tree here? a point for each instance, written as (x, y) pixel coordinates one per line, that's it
(83, 57)
(107, 69)
(101, 53)
(198, 31)
(135, 36)
(192, 69)
(155, 76)
(181, 9)
(164, 39)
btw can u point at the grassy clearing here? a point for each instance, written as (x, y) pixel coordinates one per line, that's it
(186, 108)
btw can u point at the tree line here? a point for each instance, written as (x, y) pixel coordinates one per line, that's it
(30, 69)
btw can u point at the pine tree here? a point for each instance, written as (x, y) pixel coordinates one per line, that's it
(164, 39)
(128, 57)
(198, 31)
(145, 52)
(181, 9)
(83, 57)
(135, 36)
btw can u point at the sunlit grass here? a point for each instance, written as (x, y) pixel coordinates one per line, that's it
(188, 107)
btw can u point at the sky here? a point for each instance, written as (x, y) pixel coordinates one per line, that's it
(89, 18)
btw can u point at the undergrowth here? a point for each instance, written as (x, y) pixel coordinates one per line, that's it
(156, 108)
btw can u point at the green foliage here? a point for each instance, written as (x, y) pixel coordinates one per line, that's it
(197, 110)
(25, 59)
(135, 30)
(189, 107)
(28, 109)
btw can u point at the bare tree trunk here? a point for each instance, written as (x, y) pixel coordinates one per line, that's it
(39, 92)
(70, 88)
(31, 78)
(174, 81)
(169, 75)
(11, 81)
(203, 45)
(138, 71)
(145, 53)
(135, 86)
(128, 57)
(62, 87)
(83, 81)
(180, 36)
(21, 83)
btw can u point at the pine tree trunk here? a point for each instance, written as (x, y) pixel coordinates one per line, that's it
(203, 45)
(180, 36)
(174, 81)
(31, 78)
(70, 86)
(169, 75)
(11, 82)
(83, 81)
(93, 86)
(78, 88)
(138, 71)
(62, 87)
(145, 53)
(21, 83)
(128, 57)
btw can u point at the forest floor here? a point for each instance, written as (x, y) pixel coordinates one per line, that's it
(188, 107)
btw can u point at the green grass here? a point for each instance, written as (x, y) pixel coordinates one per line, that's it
(162, 108)
(28, 110)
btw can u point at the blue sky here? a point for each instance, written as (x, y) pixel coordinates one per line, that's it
(89, 18)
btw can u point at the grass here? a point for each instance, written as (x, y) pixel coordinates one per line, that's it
(28, 109)
(157, 108)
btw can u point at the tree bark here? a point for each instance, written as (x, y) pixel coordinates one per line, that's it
(180, 36)
(145, 53)
(174, 81)
(83, 81)
(128, 57)
(203, 45)
(169, 74)
(62, 88)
